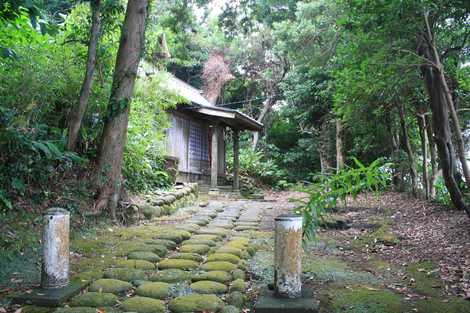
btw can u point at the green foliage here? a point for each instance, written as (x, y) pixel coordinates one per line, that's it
(145, 149)
(253, 164)
(327, 190)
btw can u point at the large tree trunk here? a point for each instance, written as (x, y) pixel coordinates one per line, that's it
(77, 113)
(433, 155)
(268, 104)
(114, 135)
(441, 127)
(424, 151)
(339, 145)
(408, 149)
(439, 69)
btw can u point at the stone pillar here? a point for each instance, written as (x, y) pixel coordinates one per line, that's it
(288, 256)
(214, 156)
(55, 263)
(236, 160)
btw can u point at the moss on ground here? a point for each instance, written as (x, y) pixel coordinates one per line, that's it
(110, 285)
(199, 249)
(178, 264)
(381, 235)
(187, 256)
(426, 278)
(224, 257)
(195, 303)
(220, 232)
(143, 305)
(159, 250)
(143, 255)
(366, 300)
(156, 290)
(188, 227)
(94, 299)
(175, 235)
(136, 264)
(169, 276)
(125, 274)
(89, 275)
(332, 269)
(435, 305)
(208, 287)
(219, 266)
(217, 276)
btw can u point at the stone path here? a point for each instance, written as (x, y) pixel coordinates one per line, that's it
(192, 264)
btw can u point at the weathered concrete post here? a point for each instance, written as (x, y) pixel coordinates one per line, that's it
(236, 160)
(214, 156)
(288, 256)
(55, 263)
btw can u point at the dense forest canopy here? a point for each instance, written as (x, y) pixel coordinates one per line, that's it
(333, 82)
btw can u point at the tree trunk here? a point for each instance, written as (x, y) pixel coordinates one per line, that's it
(439, 68)
(77, 113)
(424, 152)
(339, 145)
(268, 104)
(433, 155)
(323, 145)
(441, 128)
(408, 149)
(114, 135)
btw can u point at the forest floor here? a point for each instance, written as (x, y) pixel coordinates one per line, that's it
(385, 254)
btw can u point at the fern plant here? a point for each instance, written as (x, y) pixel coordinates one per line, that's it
(327, 190)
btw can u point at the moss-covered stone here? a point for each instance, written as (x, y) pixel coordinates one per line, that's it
(230, 309)
(224, 257)
(178, 264)
(195, 303)
(238, 274)
(143, 305)
(187, 256)
(200, 221)
(156, 290)
(35, 309)
(199, 249)
(205, 237)
(217, 276)
(150, 211)
(89, 275)
(125, 274)
(137, 264)
(169, 276)
(237, 285)
(169, 244)
(143, 255)
(219, 266)
(220, 232)
(159, 250)
(208, 287)
(175, 235)
(110, 285)
(94, 299)
(85, 310)
(210, 243)
(237, 299)
(188, 227)
(230, 250)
